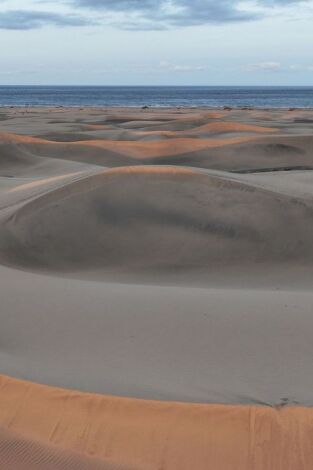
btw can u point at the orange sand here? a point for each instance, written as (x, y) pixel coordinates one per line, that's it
(161, 148)
(21, 139)
(159, 435)
(135, 149)
(212, 128)
(231, 127)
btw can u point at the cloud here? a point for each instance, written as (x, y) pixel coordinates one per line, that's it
(9, 73)
(266, 66)
(181, 68)
(276, 67)
(26, 19)
(142, 14)
(156, 14)
(162, 14)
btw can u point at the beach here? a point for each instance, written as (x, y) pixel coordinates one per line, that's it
(156, 288)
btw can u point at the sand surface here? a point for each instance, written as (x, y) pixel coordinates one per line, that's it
(156, 255)
(62, 429)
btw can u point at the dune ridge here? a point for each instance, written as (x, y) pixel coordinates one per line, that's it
(182, 217)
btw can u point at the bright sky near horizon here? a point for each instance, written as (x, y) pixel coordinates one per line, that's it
(156, 42)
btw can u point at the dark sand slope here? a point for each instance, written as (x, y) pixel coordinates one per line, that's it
(158, 218)
(156, 255)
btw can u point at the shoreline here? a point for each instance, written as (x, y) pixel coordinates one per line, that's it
(155, 108)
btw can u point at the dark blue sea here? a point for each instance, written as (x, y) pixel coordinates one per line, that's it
(104, 96)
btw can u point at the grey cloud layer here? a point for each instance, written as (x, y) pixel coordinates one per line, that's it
(159, 14)
(140, 14)
(25, 19)
(175, 12)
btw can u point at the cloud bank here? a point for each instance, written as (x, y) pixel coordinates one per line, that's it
(163, 14)
(142, 14)
(26, 20)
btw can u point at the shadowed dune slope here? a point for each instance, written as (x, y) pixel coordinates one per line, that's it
(20, 160)
(157, 217)
(149, 435)
(270, 152)
(13, 157)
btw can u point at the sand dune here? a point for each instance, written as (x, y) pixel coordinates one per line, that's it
(228, 127)
(149, 434)
(156, 255)
(161, 148)
(270, 152)
(12, 158)
(246, 344)
(208, 130)
(218, 145)
(181, 218)
(128, 148)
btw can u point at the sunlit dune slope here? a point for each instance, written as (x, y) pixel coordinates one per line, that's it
(149, 435)
(20, 453)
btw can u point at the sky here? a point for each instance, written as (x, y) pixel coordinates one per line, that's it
(156, 42)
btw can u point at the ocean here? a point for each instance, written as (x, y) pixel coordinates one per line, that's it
(157, 96)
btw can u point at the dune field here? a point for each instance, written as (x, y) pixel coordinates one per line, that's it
(156, 300)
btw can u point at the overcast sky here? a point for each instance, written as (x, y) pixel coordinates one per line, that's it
(156, 42)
